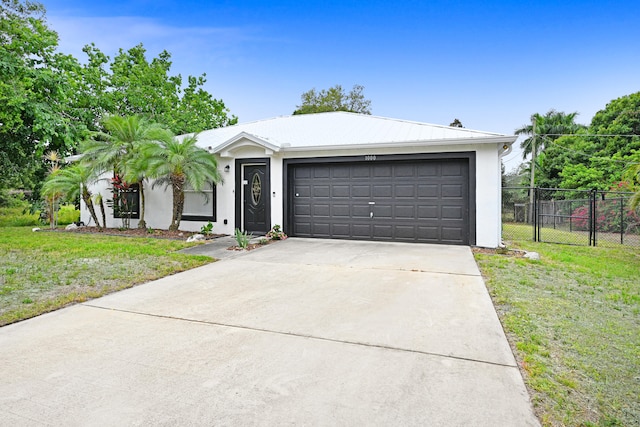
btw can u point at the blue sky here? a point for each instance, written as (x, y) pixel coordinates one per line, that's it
(490, 64)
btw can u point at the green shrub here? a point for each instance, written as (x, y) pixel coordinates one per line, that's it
(242, 238)
(18, 217)
(68, 214)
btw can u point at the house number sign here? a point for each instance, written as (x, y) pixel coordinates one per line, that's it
(370, 157)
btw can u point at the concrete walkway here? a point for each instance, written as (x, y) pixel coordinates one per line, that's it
(300, 332)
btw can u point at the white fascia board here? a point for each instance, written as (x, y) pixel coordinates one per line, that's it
(227, 145)
(505, 140)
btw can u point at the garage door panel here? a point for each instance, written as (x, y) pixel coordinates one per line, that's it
(340, 171)
(361, 191)
(428, 212)
(382, 190)
(452, 169)
(321, 211)
(405, 232)
(404, 170)
(405, 212)
(428, 233)
(452, 190)
(361, 231)
(405, 191)
(321, 229)
(383, 211)
(428, 169)
(338, 211)
(383, 231)
(452, 212)
(321, 191)
(428, 190)
(451, 234)
(302, 173)
(360, 211)
(340, 191)
(302, 190)
(301, 210)
(419, 201)
(341, 230)
(321, 172)
(382, 171)
(302, 228)
(361, 171)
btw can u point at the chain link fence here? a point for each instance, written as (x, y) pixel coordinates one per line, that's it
(569, 216)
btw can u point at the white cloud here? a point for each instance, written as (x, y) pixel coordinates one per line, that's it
(112, 33)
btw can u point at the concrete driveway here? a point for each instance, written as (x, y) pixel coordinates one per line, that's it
(301, 332)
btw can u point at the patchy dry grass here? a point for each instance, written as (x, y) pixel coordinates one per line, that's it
(573, 319)
(43, 271)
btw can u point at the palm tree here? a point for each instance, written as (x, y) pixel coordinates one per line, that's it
(70, 182)
(177, 162)
(118, 149)
(544, 129)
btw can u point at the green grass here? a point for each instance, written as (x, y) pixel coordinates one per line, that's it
(573, 319)
(44, 271)
(515, 232)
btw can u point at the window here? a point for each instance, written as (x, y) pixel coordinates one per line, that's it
(200, 205)
(126, 201)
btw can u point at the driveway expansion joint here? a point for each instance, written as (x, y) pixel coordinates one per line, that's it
(297, 335)
(354, 267)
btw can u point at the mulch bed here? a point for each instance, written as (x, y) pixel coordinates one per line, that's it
(139, 232)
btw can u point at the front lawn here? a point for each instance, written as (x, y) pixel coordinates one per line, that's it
(43, 271)
(573, 319)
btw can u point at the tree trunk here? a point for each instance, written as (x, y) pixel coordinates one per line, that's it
(104, 213)
(177, 185)
(141, 222)
(86, 196)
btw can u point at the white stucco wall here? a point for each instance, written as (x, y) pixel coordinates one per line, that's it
(159, 200)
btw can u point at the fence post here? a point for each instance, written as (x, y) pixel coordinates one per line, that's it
(594, 216)
(621, 221)
(534, 212)
(570, 216)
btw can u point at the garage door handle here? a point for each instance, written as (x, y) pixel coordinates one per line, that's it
(372, 203)
(371, 215)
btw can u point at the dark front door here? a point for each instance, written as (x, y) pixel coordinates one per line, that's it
(255, 200)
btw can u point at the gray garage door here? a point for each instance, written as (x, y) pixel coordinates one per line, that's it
(412, 201)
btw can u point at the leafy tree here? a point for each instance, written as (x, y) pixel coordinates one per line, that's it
(71, 182)
(176, 162)
(49, 101)
(334, 99)
(139, 87)
(598, 158)
(35, 86)
(118, 149)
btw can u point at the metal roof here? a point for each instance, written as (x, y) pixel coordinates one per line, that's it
(341, 130)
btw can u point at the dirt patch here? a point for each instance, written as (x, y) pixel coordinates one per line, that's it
(499, 251)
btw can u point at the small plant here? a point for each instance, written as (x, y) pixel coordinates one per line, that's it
(150, 230)
(207, 229)
(263, 241)
(242, 238)
(68, 214)
(276, 233)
